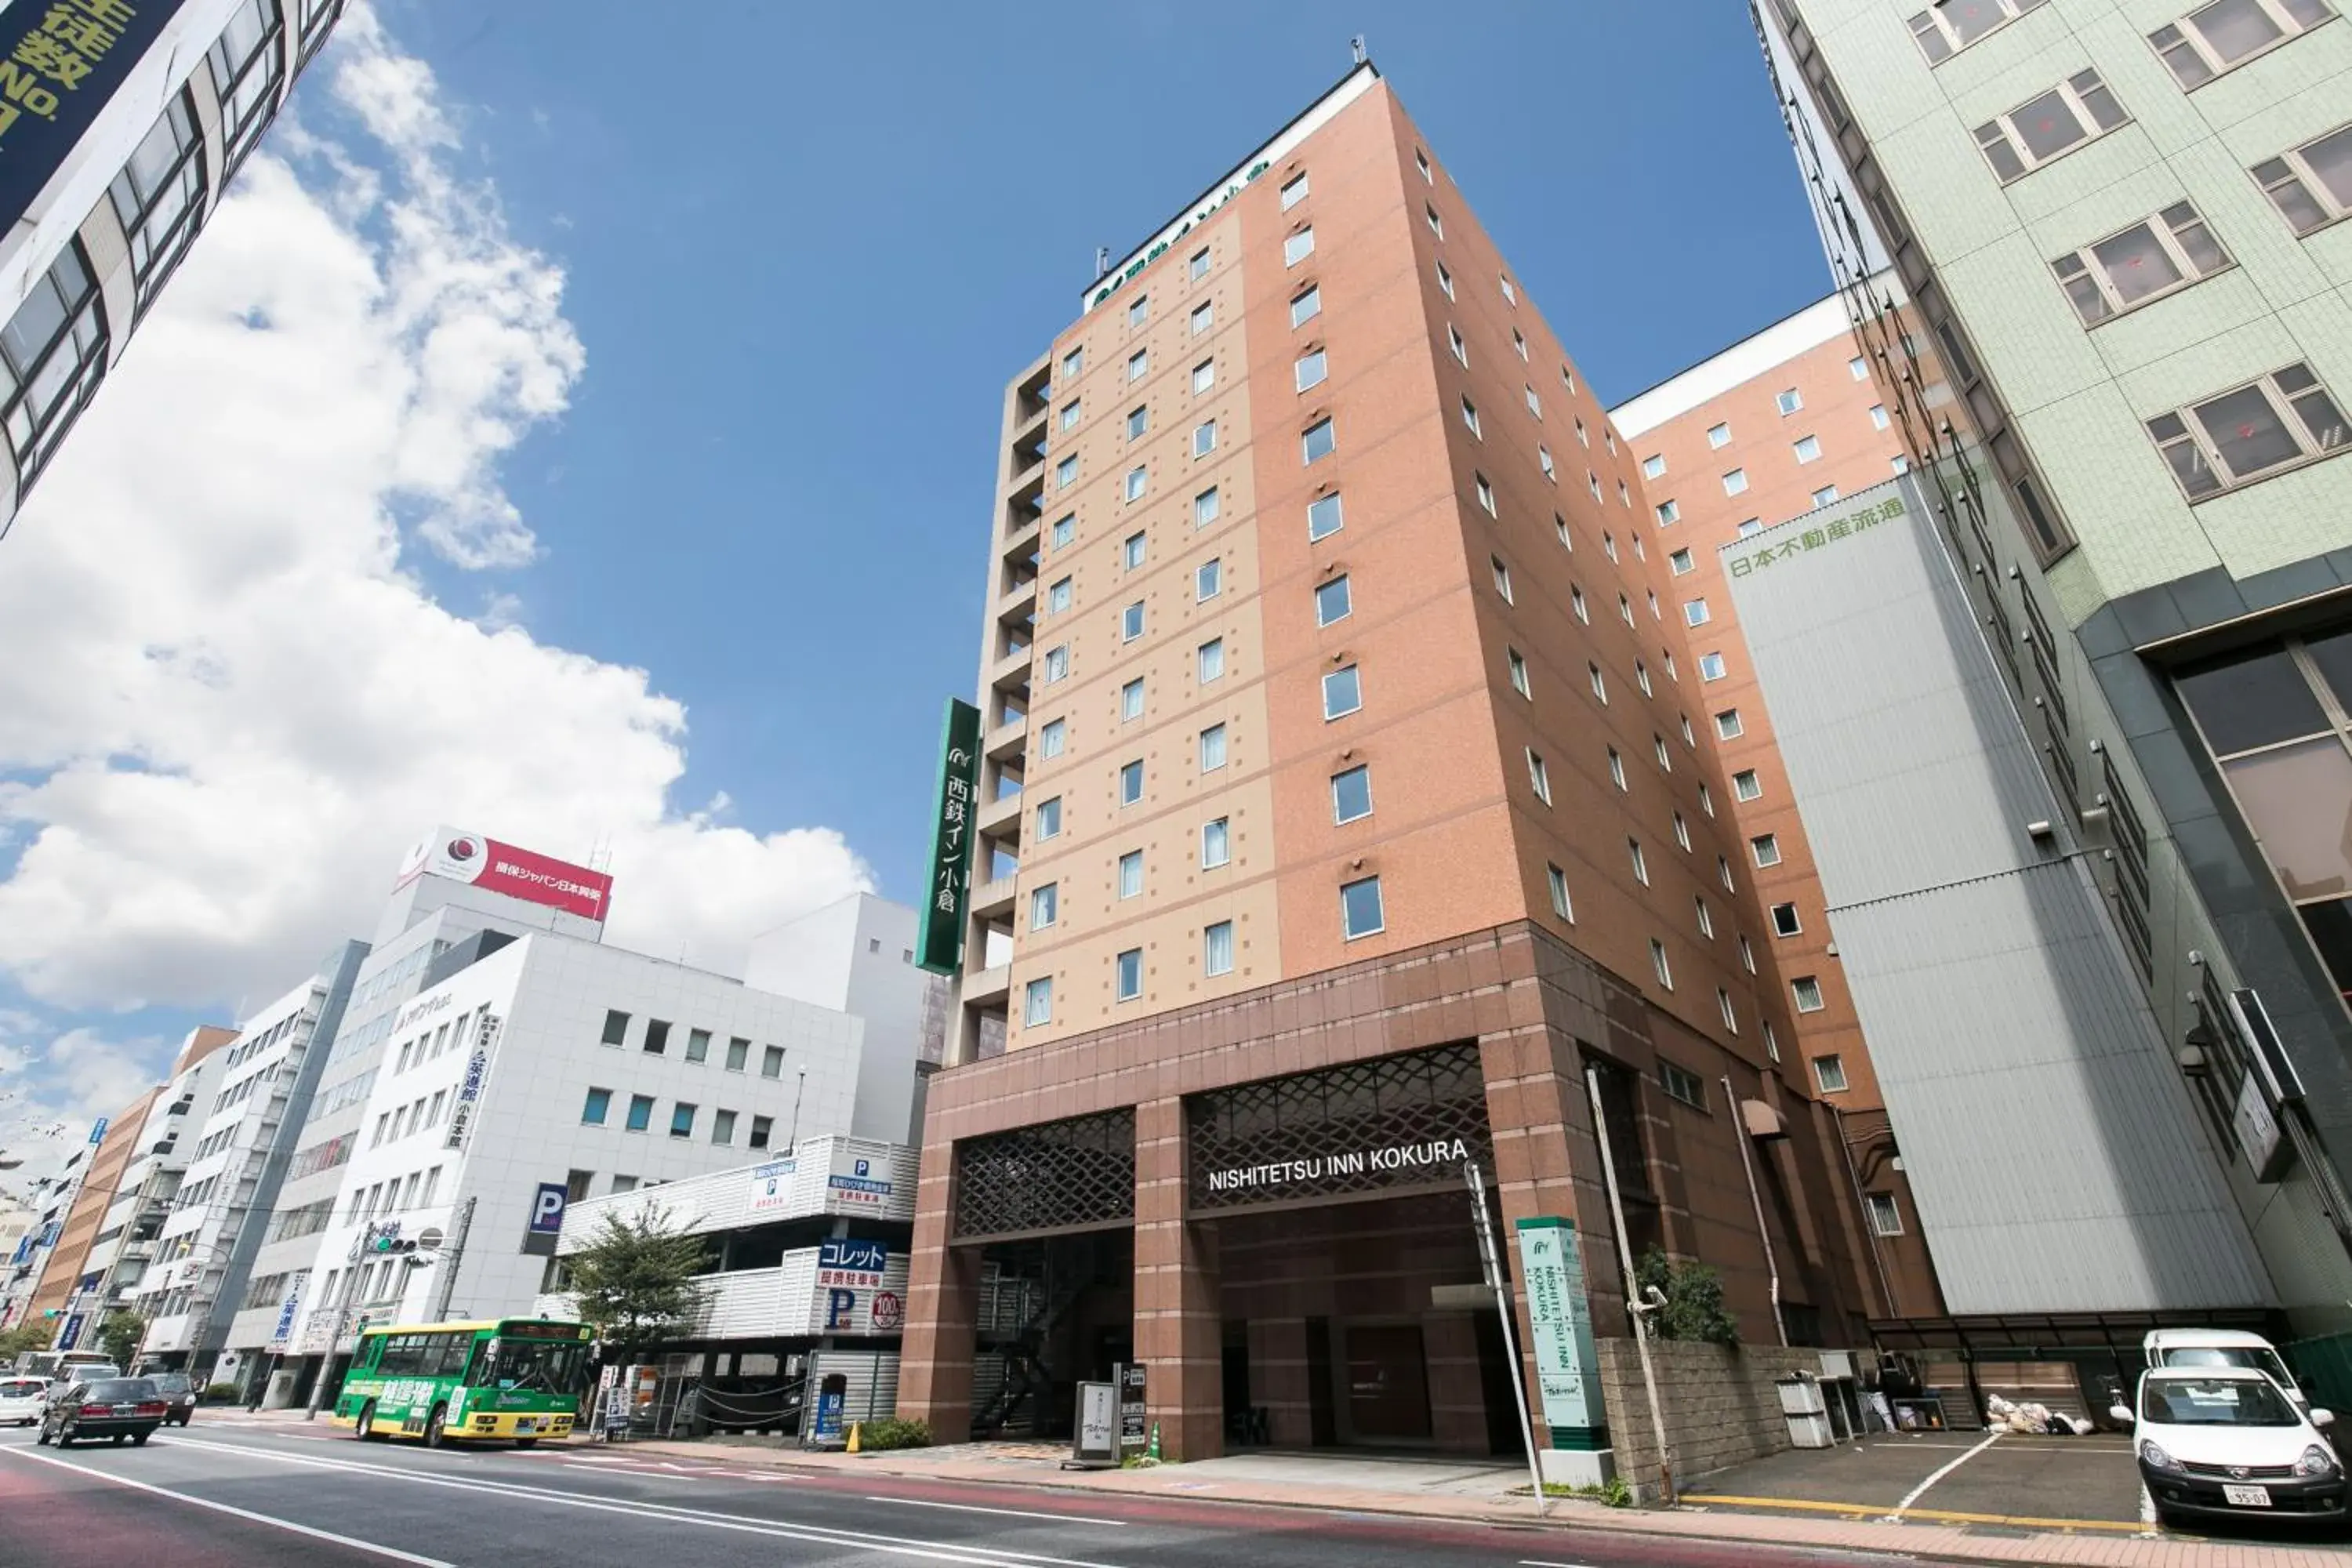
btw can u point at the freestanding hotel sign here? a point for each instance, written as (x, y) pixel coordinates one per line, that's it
(1551, 1263)
(939, 944)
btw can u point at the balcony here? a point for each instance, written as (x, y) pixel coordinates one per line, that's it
(1012, 672)
(993, 899)
(1005, 742)
(1021, 539)
(1000, 818)
(1018, 604)
(988, 987)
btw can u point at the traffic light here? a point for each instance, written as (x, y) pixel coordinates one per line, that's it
(52, 1312)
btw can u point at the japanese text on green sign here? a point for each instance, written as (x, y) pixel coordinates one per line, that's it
(939, 944)
(1551, 1267)
(1828, 533)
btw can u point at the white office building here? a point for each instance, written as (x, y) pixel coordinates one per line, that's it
(130, 1237)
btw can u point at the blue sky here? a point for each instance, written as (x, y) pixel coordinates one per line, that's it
(808, 246)
(582, 431)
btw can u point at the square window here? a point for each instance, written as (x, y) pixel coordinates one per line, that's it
(1066, 529)
(1710, 667)
(1785, 921)
(1138, 365)
(1807, 449)
(1751, 527)
(1204, 437)
(1049, 818)
(1037, 1002)
(1878, 420)
(1059, 595)
(1519, 343)
(1561, 905)
(1312, 370)
(1559, 527)
(1343, 692)
(1323, 517)
(1209, 661)
(1139, 311)
(1205, 507)
(1681, 837)
(1535, 404)
(1825, 496)
(1131, 874)
(1203, 317)
(1198, 267)
(1130, 702)
(760, 1128)
(1539, 776)
(1208, 580)
(1306, 305)
(1138, 477)
(1420, 161)
(1217, 949)
(1680, 561)
(616, 1027)
(1352, 795)
(1735, 482)
(1718, 436)
(1766, 847)
(1316, 441)
(1297, 247)
(1212, 748)
(1333, 601)
(1575, 603)
(1509, 292)
(1204, 376)
(1360, 913)
(1858, 368)
(1669, 513)
(1654, 467)
(1518, 666)
(1073, 363)
(1138, 420)
(1886, 1216)
(1695, 612)
(1130, 622)
(1543, 461)
(1658, 748)
(1600, 682)
(1616, 768)
(1131, 782)
(697, 1044)
(1070, 414)
(1052, 739)
(1727, 725)
(1131, 550)
(1216, 844)
(722, 1127)
(1057, 665)
(1829, 1071)
(641, 1113)
(1789, 401)
(1436, 224)
(1130, 974)
(1294, 192)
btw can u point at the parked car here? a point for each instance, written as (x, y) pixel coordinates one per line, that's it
(23, 1399)
(2227, 1440)
(2222, 1347)
(116, 1407)
(180, 1395)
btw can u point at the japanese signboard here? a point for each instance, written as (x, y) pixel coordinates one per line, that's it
(856, 1264)
(1552, 1267)
(1758, 555)
(939, 943)
(770, 1190)
(855, 1183)
(469, 1092)
(64, 61)
(288, 1310)
(1134, 1408)
(519, 873)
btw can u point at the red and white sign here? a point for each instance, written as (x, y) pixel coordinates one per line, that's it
(524, 874)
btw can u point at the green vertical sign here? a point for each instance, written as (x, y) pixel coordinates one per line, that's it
(939, 946)
(1568, 1368)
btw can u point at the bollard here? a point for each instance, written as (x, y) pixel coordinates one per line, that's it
(855, 1446)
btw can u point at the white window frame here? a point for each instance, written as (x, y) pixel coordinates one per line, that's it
(1214, 750)
(1939, 40)
(1539, 776)
(1752, 790)
(1208, 579)
(1641, 861)
(1122, 989)
(1206, 506)
(1223, 827)
(2085, 266)
(1660, 964)
(1204, 376)
(1485, 495)
(1884, 1212)
(1562, 903)
(1312, 298)
(1198, 267)
(1131, 701)
(1203, 317)
(1137, 483)
(2182, 433)
(1445, 279)
(1209, 965)
(2293, 168)
(1680, 561)
(1764, 849)
(1380, 909)
(1295, 190)
(1037, 1002)
(1364, 769)
(1046, 898)
(1297, 247)
(2074, 92)
(1806, 449)
(1138, 365)
(1311, 369)
(1131, 769)
(1670, 512)
(1330, 713)
(1347, 592)
(1518, 664)
(1205, 438)
(1209, 662)
(1654, 467)
(1718, 436)
(1339, 513)
(1128, 860)
(2189, 54)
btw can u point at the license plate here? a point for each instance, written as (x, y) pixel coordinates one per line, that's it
(2247, 1497)
(126, 1410)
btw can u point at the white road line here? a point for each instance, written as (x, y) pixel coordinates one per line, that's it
(819, 1534)
(355, 1544)
(1007, 1512)
(1538, 1562)
(2146, 1511)
(1921, 1489)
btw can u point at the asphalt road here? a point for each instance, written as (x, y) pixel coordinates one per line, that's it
(223, 1497)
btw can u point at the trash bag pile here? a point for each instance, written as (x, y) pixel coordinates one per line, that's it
(2031, 1420)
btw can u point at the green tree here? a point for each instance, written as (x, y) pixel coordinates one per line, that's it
(119, 1335)
(636, 1280)
(1694, 1309)
(25, 1338)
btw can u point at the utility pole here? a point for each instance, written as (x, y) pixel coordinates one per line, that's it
(451, 1255)
(793, 1141)
(1500, 1281)
(1639, 1309)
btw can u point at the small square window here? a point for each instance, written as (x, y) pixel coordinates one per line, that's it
(1070, 414)
(1139, 311)
(1785, 921)
(1198, 267)
(1132, 548)
(1878, 420)
(1057, 667)
(1343, 691)
(1616, 768)
(1208, 580)
(1333, 601)
(1037, 1002)
(1131, 874)
(1807, 449)
(739, 1050)
(1681, 837)
(1829, 1072)
(1209, 661)
(1453, 341)
(1212, 748)
(1138, 477)
(1318, 441)
(1680, 561)
(1049, 818)
(1789, 401)
(1205, 507)
(1130, 702)
(1766, 847)
(1509, 291)
(1641, 861)
(1052, 739)
(1045, 906)
(1654, 467)
(1203, 317)
(1204, 437)
(1204, 376)
(1420, 161)
(1352, 795)
(1059, 596)
(1130, 974)
(1297, 247)
(1735, 482)
(1695, 612)
(1360, 911)
(1519, 344)
(1138, 365)
(1216, 844)
(1858, 368)
(1600, 682)
(771, 1061)
(1502, 577)
(1470, 417)
(1294, 191)
(1445, 279)
(1306, 305)
(1718, 436)
(1825, 496)
(1658, 964)
(1727, 725)
(1710, 667)
(1131, 782)
(1217, 949)
(1073, 363)
(1575, 603)
(1436, 224)
(1130, 622)
(1065, 472)
(1543, 461)
(641, 1113)
(1138, 420)
(1065, 530)
(1485, 495)
(1751, 527)
(1886, 1216)
(1312, 370)
(1323, 517)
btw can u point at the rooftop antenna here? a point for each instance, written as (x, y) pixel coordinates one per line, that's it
(1357, 44)
(1102, 259)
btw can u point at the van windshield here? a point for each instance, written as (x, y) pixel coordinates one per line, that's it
(2252, 1357)
(2215, 1402)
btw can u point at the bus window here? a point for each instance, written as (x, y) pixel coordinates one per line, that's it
(546, 1366)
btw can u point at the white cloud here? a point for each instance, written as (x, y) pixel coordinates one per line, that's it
(244, 705)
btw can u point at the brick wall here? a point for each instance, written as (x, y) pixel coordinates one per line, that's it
(1721, 1407)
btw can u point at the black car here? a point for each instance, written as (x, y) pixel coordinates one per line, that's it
(116, 1407)
(179, 1397)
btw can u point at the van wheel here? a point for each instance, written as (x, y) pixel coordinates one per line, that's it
(366, 1427)
(434, 1437)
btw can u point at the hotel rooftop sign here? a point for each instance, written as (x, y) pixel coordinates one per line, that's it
(1353, 86)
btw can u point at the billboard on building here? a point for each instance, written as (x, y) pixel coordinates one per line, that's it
(61, 65)
(481, 862)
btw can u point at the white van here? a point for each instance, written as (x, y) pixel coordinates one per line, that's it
(2222, 1347)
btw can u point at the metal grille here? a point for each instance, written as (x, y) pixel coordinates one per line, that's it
(1048, 1177)
(1348, 1129)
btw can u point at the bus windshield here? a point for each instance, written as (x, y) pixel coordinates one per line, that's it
(544, 1366)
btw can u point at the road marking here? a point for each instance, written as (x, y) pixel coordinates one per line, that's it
(1007, 1512)
(2146, 1511)
(818, 1534)
(356, 1544)
(1915, 1493)
(1538, 1562)
(1936, 1515)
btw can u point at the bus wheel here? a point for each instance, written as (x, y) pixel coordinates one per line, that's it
(366, 1427)
(434, 1437)
(526, 1442)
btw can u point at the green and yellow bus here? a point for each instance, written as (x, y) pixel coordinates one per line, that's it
(515, 1379)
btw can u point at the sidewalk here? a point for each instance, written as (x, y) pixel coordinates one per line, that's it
(1480, 1493)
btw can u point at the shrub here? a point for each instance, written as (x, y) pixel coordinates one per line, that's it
(220, 1394)
(874, 1437)
(1694, 1309)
